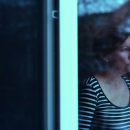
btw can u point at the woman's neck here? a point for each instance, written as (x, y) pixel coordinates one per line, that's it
(109, 75)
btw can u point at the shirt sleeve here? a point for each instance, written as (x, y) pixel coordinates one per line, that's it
(87, 105)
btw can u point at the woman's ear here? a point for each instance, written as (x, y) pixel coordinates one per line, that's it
(107, 58)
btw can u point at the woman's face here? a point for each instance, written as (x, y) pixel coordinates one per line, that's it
(120, 59)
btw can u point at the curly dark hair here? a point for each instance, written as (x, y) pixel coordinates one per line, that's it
(96, 41)
(106, 41)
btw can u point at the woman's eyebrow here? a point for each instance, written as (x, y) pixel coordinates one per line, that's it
(125, 46)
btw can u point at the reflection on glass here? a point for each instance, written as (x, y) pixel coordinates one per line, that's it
(104, 66)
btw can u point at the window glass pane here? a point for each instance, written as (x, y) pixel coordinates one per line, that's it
(104, 64)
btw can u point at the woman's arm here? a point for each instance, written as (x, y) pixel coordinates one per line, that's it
(87, 104)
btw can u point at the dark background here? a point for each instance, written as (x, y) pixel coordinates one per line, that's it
(20, 67)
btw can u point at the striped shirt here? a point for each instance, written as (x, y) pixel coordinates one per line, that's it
(96, 112)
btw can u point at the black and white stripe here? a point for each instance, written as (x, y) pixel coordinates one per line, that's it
(96, 112)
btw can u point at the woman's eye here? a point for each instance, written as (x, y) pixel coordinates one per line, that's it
(125, 49)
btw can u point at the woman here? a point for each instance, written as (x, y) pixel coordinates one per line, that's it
(104, 100)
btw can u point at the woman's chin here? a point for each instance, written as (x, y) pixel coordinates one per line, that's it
(127, 70)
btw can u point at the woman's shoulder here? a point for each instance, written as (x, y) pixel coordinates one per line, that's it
(90, 81)
(126, 76)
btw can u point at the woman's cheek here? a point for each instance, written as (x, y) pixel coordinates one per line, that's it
(124, 62)
(125, 57)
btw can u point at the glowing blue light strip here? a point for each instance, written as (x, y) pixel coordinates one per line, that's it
(68, 65)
